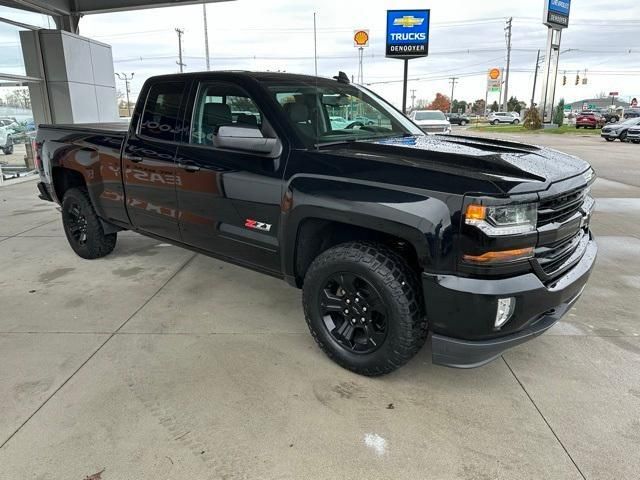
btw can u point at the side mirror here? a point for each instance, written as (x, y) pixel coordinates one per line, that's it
(249, 139)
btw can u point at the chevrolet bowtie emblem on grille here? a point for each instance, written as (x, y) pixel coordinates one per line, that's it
(408, 21)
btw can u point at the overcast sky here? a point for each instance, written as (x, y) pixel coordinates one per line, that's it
(467, 38)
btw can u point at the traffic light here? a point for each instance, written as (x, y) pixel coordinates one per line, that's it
(577, 79)
(564, 80)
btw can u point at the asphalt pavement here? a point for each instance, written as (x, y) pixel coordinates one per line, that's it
(156, 363)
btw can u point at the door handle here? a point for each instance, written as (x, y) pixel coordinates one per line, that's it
(190, 167)
(134, 159)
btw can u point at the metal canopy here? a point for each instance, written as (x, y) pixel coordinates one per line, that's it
(58, 8)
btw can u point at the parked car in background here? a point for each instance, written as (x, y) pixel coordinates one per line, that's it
(6, 140)
(632, 113)
(610, 116)
(590, 120)
(633, 134)
(619, 130)
(338, 123)
(458, 119)
(495, 118)
(516, 115)
(431, 121)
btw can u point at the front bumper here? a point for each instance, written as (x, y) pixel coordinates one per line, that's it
(611, 134)
(462, 311)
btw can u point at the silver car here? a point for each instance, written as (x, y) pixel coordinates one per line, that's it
(495, 118)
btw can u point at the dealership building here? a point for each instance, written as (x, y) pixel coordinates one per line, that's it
(43, 51)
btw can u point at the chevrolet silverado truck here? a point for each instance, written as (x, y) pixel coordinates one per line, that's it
(394, 237)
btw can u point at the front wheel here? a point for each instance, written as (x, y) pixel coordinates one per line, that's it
(495, 122)
(609, 139)
(83, 228)
(363, 307)
(463, 123)
(516, 121)
(623, 137)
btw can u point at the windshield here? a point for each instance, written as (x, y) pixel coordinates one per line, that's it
(430, 116)
(339, 112)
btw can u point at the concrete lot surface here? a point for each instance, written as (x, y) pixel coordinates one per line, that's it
(156, 363)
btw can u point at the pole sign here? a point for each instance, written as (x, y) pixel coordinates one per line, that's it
(494, 80)
(556, 13)
(408, 33)
(361, 38)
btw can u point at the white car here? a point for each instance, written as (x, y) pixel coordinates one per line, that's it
(495, 118)
(6, 140)
(431, 121)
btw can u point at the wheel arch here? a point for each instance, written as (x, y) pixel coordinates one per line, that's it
(411, 224)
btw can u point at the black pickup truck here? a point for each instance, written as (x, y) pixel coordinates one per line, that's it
(393, 236)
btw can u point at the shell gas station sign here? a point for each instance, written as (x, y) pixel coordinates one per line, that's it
(361, 38)
(494, 80)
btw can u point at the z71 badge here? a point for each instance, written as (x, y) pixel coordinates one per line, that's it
(255, 225)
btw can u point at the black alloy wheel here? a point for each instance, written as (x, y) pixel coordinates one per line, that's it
(83, 227)
(76, 223)
(353, 313)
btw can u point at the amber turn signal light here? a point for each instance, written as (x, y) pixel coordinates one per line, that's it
(503, 256)
(476, 212)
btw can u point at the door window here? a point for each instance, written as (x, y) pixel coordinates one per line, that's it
(218, 105)
(160, 116)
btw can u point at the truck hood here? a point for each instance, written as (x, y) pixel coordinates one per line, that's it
(512, 167)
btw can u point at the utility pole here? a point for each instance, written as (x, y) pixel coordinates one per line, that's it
(180, 63)
(535, 80)
(206, 35)
(452, 81)
(413, 99)
(506, 78)
(123, 77)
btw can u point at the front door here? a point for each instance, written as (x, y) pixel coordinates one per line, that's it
(229, 201)
(149, 165)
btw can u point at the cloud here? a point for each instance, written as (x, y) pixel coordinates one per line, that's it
(278, 35)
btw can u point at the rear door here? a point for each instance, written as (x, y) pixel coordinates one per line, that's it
(148, 160)
(229, 201)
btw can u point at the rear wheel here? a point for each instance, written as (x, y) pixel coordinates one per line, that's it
(363, 306)
(495, 122)
(83, 228)
(609, 139)
(463, 123)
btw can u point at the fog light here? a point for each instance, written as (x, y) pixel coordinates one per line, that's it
(506, 306)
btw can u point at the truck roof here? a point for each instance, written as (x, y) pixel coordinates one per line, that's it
(246, 74)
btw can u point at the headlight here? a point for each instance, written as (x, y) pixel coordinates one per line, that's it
(505, 220)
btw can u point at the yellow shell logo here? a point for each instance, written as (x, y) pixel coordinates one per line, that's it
(494, 73)
(361, 38)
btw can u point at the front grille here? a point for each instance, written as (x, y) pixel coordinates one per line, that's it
(560, 208)
(552, 257)
(434, 129)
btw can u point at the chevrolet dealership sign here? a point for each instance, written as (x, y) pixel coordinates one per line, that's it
(408, 33)
(556, 13)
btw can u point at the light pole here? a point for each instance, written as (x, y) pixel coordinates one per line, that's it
(123, 77)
